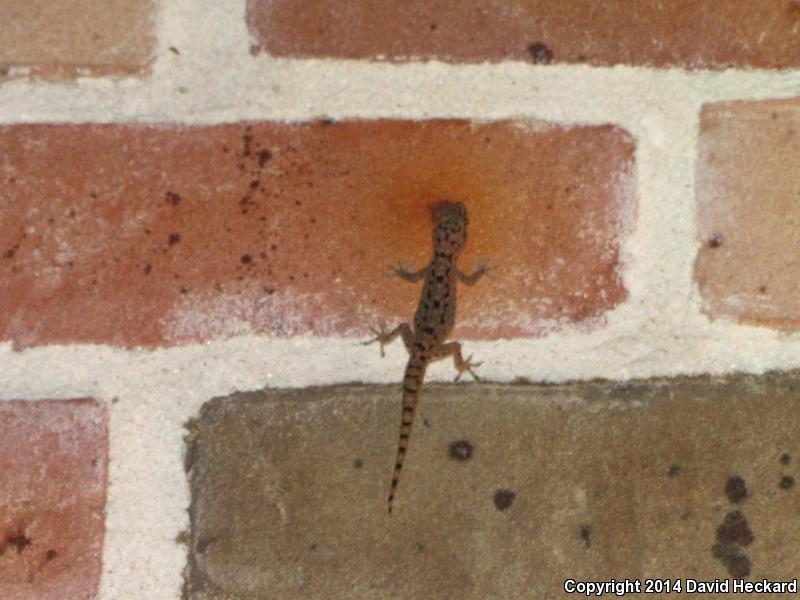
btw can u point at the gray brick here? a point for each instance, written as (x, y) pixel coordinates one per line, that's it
(583, 481)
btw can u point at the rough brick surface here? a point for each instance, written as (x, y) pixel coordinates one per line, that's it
(748, 176)
(159, 235)
(679, 478)
(670, 33)
(68, 38)
(53, 465)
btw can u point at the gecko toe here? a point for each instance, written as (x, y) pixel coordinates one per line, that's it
(380, 337)
(467, 365)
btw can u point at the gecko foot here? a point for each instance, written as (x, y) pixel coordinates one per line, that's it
(398, 270)
(484, 267)
(403, 271)
(467, 365)
(381, 337)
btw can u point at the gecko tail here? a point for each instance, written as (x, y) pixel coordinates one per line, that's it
(411, 385)
(409, 408)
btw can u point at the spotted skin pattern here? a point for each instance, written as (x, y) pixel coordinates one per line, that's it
(434, 319)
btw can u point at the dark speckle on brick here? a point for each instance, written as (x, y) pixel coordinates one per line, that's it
(735, 489)
(19, 541)
(787, 482)
(732, 536)
(739, 566)
(203, 543)
(358, 463)
(173, 198)
(246, 259)
(174, 238)
(673, 470)
(735, 530)
(460, 450)
(147, 269)
(585, 534)
(785, 459)
(503, 499)
(50, 554)
(540, 53)
(715, 241)
(263, 157)
(737, 563)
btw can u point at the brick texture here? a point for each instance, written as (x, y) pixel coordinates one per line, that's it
(670, 33)
(150, 235)
(748, 176)
(53, 465)
(670, 478)
(68, 38)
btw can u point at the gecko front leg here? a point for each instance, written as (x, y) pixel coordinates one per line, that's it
(403, 272)
(461, 364)
(472, 279)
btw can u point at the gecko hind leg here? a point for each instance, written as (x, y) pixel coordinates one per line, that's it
(384, 338)
(461, 364)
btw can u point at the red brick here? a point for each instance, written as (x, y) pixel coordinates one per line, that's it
(53, 465)
(669, 33)
(67, 38)
(748, 177)
(140, 235)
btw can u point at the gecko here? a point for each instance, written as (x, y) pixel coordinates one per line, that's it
(433, 321)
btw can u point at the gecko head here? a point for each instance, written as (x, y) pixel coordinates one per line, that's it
(450, 233)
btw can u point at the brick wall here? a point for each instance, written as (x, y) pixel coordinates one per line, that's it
(204, 201)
